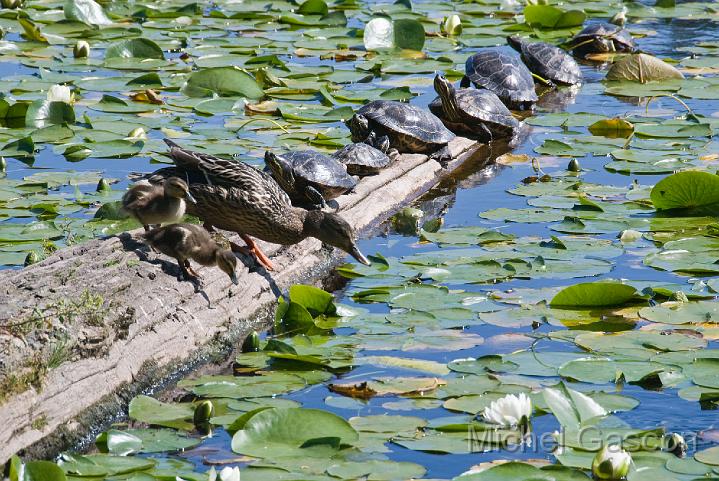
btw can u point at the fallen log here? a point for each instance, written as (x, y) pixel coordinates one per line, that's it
(84, 330)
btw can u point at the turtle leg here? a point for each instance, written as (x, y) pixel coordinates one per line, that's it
(253, 250)
(443, 156)
(465, 83)
(315, 197)
(393, 154)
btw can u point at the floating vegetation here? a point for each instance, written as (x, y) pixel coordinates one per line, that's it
(579, 304)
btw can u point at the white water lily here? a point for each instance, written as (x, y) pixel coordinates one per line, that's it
(230, 474)
(511, 410)
(452, 25)
(137, 134)
(611, 462)
(630, 235)
(378, 33)
(59, 93)
(81, 49)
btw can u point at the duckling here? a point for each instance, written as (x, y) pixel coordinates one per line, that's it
(157, 204)
(188, 241)
(237, 197)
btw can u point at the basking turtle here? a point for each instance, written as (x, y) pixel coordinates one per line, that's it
(601, 37)
(408, 128)
(502, 73)
(363, 159)
(472, 112)
(309, 177)
(547, 61)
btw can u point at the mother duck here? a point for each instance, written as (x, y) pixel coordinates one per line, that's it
(237, 197)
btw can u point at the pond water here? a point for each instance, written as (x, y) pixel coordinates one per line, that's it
(473, 294)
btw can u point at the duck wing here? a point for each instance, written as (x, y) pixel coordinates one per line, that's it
(221, 171)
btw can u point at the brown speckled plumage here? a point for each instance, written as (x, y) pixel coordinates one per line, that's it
(238, 197)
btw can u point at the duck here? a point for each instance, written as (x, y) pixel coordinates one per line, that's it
(153, 204)
(187, 242)
(238, 197)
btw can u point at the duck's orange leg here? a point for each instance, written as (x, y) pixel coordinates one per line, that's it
(253, 250)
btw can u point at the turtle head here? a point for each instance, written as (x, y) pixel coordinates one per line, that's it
(359, 126)
(448, 94)
(332, 229)
(515, 41)
(280, 168)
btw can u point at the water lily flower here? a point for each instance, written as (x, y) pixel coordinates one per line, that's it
(59, 93)
(630, 235)
(230, 474)
(611, 462)
(81, 49)
(511, 410)
(137, 134)
(378, 33)
(452, 25)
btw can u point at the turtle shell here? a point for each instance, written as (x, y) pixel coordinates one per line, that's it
(504, 74)
(322, 172)
(362, 159)
(548, 61)
(409, 128)
(482, 113)
(602, 37)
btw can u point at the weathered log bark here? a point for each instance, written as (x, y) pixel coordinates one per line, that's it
(131, 323)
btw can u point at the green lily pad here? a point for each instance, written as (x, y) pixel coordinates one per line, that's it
(686, 190)
(594, 294)
(222, 81)
(151, 411)
(141, 48)
(292, 431)
(86, 11)
(642, 68)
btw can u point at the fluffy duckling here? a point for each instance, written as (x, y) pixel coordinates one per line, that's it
(157, 204)
(188, 241)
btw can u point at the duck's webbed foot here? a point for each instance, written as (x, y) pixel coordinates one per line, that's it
(253, 250)
(188, 274)
(191, 270)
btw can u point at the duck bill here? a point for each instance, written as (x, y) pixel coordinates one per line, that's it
(234, 279)
(355, 252)
(189, 197)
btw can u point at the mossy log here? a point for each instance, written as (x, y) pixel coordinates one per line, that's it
(92, 320)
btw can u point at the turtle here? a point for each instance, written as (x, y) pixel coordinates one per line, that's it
(472, 112)
(309, 177)
(362, 159)
(601, 37)
(547, 61)
(502, 73)
(408, 128)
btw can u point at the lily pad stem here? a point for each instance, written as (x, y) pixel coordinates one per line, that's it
(277, 124)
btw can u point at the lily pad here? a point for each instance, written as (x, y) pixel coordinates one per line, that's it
(292, 431)
(642, 68)
(594, 294)
(686, 190)
(222, 81)
(134, 48)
